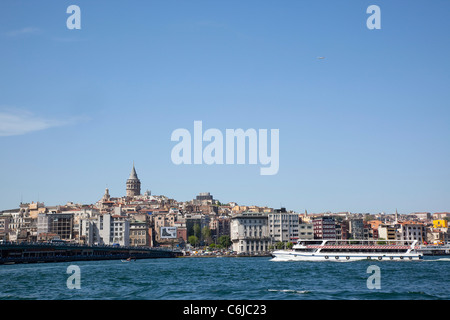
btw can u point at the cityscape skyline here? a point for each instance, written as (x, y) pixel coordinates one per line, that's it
(362, 129)
(133, 189)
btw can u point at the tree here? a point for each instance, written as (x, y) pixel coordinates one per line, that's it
(206, 234)
(279, 245)
(197, 230)
(224, 241)
(193, 240)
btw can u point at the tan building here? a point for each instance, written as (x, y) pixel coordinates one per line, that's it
(139, 235)
(162, 219)
(387, 232)
(35, 208)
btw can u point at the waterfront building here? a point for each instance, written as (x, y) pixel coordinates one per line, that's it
(358, 230)
(306, 231)
(139, 235)
(283, 226)
(341, 229)
(106, 229)
(387, 232)
(60, 224)
(250, 233)
(324, 228)
(410, 231)
(133, 184)
(119, 229)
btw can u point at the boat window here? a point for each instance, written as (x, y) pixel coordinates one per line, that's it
(305, 250)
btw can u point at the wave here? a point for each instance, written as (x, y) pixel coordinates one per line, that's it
(290, 291)
(438, 259)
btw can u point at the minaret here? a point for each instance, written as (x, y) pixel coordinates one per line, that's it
(133, 184)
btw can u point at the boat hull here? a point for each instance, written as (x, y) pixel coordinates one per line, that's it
(284, 255)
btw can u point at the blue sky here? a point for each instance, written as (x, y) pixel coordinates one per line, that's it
(364, 130)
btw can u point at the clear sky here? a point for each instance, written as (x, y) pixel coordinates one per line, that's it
(367, 129)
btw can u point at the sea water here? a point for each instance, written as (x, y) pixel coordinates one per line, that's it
(227, 278)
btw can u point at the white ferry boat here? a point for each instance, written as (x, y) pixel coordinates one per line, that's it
(349, 250)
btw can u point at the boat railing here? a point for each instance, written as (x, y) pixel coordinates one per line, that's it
(356, 242)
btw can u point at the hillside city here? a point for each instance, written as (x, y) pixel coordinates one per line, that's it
(204, 223)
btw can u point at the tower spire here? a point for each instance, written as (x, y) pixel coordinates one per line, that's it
(133, 174)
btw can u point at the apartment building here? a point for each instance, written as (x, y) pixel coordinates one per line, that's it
(357, 229)
(306, 231)
(387, 232)
(139, 235)
(324, 228)
(106, 229)
(410, 231)
(283, 226)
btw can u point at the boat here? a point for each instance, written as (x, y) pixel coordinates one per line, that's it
(128, 259)
(350, 250)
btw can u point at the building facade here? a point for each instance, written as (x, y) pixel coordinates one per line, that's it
(250, 233)
(387, 232)
(324, 228)
(306, 231)
(283, 226)
(139, 235)
(357, 229)
(411, 232)
(60, 224)
(106, 229)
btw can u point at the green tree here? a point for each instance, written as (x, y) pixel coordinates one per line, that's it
(193, 240)
(224, 241)
(206, 234)
(279, 245)
(197, 231)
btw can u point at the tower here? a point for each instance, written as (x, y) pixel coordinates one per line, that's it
(106, 196)
(133, 184)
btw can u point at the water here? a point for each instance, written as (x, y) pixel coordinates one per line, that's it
(228, 279)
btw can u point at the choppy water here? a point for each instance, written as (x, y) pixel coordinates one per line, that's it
(227, 279)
